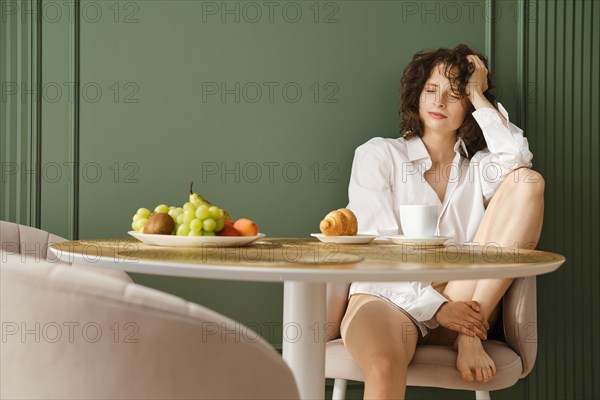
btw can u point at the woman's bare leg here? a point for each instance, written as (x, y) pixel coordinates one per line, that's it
(382, 340)
(519, 225)
(513, 218)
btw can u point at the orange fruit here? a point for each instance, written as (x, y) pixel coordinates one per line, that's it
(246, 227)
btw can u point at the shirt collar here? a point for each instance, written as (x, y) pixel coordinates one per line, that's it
(460, 144)
(418, 151)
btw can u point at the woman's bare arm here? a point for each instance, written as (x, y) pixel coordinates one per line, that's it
(478, 85)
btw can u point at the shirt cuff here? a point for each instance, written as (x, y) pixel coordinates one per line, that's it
(430, 301)
(487, 116)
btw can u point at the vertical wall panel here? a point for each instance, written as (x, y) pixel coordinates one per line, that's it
(547, 354)
(5, 112)
(59, 173)
(18, 98)
(594, 151)
(562, 124)
(586, 205)
(558, 176)
(570, 272)
(579, 288)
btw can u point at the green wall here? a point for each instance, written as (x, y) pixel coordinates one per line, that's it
(262, 107)
(563, 122)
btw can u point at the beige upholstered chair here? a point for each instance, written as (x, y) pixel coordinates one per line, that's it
(32, 245)
(434, 366)
(72, 333)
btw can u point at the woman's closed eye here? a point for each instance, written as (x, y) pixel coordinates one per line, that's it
(450, 95)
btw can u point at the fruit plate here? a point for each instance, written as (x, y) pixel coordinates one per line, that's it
(425, 241)
(358, 239)
(195, 241)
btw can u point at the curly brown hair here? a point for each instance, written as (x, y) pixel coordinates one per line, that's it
(458, 70)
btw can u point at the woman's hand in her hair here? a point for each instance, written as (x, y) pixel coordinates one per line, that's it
(478, 79)
(463, 317)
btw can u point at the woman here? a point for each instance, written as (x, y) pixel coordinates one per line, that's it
(459, 152)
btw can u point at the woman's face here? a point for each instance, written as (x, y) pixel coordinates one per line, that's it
(440, 109)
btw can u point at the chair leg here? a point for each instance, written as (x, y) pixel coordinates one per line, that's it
(339, 389)
(479, 395)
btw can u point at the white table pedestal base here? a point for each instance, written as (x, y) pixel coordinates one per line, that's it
(304, 335)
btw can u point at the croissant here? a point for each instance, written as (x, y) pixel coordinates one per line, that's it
(340, 222)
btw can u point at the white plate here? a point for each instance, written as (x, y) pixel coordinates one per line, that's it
(195, 241)
(426, 241)
(358, 239)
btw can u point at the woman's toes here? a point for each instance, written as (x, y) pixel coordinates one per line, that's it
(467, 376)
(465, 372)
(486, 374)
(474, 364)
(479, 375)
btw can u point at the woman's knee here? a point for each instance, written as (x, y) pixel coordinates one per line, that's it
(524, 182)
(387, 365)
(376, 332)
(382, 355)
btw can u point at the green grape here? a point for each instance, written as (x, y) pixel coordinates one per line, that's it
(208, 233)
(144, 212)
(183, 230)
(188, 216)
(139, 224)
(196, 225)
(138, 216)
(215, 212)
(163, 208)
(202, 212)
(209, 224)
(179, 219)
(220, 225)
(189, 206)
(195, 233)
(175, 212)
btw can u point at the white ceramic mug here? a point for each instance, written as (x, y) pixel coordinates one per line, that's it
(419, 221)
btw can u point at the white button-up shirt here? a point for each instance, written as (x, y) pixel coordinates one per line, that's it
(387, 173)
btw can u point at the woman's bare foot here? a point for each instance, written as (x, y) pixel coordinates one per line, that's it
(472, 361)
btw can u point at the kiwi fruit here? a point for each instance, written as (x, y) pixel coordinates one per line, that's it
(160, 224)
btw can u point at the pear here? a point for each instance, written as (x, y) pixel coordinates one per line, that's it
(197, 200)
(160, 224)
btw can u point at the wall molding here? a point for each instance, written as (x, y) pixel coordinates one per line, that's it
(489, 33)
(522, 48)
(21, 45)
(35, 203)
(74, 113)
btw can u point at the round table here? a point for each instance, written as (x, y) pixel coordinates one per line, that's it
(306, 266)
